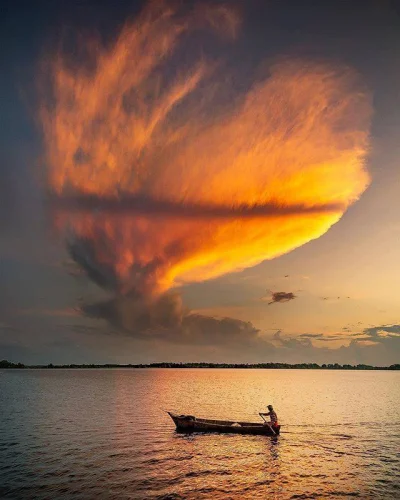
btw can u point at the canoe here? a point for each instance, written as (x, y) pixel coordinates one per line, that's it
(190, 423)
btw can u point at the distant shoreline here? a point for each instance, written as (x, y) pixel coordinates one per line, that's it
(262, 366)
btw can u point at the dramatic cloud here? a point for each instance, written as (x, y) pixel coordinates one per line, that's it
(140, 315)
(157, 179)
(165, 318)
(273, 171)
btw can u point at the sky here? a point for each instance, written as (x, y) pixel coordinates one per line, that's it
(200, 181)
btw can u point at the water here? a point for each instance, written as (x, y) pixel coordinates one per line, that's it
(103, 434)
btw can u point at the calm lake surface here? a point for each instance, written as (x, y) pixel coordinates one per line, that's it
(104, 434)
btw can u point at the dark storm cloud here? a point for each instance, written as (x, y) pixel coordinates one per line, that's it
(83, 252)
(139, 315)
(207, 330)
(281, 297)
(166, 319)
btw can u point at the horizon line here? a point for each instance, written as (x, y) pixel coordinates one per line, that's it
(4, 364)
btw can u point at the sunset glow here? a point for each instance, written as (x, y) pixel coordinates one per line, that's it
(156, 184)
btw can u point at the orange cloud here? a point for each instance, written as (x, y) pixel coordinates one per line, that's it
(158, 184)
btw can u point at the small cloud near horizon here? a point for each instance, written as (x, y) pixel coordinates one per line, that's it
(281, 297)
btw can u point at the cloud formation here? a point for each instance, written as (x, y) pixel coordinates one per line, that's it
(166, 322)
(157, 181)
(281, 297)
(166, 318)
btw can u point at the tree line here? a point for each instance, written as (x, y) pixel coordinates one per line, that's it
(275, 366)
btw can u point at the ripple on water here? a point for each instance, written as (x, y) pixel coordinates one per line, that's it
(82, 434)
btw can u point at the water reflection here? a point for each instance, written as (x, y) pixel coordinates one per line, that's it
(104, 434)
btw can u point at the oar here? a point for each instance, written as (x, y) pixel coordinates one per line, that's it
(269, 425)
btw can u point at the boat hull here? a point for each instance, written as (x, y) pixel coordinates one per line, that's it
(189, 423)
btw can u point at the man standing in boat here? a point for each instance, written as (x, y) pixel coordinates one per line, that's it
(272, 415)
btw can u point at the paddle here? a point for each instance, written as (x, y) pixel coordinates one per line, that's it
(269, 425)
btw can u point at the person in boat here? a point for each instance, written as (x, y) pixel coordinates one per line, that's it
(272, 415)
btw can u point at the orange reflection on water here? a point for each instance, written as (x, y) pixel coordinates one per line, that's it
(159, 461)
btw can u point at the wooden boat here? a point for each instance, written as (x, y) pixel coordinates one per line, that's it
(190, 423)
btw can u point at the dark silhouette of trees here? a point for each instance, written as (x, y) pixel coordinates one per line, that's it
(269, 366)
(7, 364)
